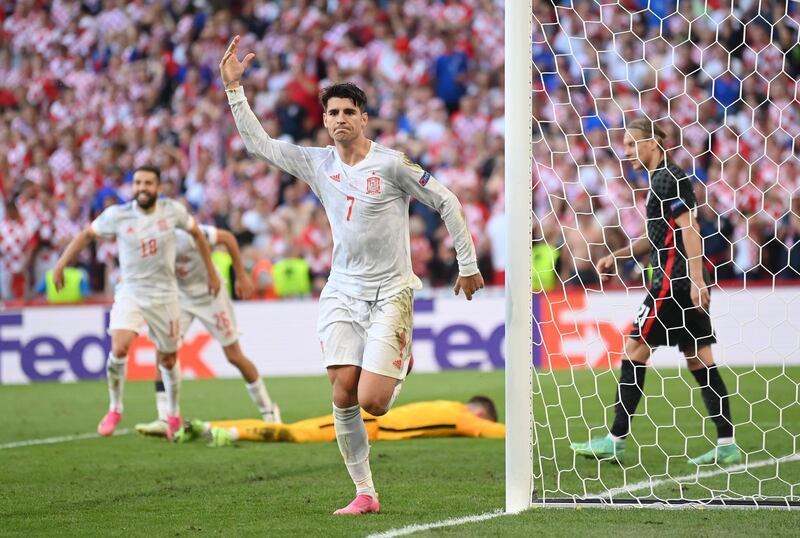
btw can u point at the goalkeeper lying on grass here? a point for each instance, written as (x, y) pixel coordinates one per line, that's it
(476, 418)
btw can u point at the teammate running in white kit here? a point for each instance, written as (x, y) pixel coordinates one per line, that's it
(366, 307)
(148, 292)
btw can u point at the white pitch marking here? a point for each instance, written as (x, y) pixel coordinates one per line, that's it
(652, 484)
(60, 439)
(411, 529)
(644, 484)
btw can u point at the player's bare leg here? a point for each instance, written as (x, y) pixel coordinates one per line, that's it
(116, 368)
(351, 435)
(377, 393)
(171, 376)
(715, 396)
(629, 393)
(269, 410)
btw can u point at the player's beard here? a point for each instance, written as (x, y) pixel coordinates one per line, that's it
(149, 201)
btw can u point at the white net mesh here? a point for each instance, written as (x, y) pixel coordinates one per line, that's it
(720, 79)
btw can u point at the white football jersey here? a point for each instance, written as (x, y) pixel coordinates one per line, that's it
(367, 206)
(146, 247)
(189, 266)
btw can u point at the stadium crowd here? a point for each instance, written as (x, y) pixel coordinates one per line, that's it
(90, 90)
(720, 77)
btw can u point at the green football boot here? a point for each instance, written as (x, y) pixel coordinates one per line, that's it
(721, 454)
(602, 448)
(190, 431)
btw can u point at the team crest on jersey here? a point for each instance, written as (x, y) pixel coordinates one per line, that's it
(373, 185)
(129, 230)
(162, 225)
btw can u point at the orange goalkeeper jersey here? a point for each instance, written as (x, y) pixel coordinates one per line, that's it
(439, 418)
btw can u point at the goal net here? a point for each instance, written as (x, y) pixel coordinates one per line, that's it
(717, 83)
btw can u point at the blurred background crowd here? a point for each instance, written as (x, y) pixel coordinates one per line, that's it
(90, 90)
(719, 76)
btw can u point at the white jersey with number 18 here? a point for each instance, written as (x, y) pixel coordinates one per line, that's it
(146, 247)
(367, 206)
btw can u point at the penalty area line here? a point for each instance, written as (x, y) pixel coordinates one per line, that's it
(452, 522)
(60, 439)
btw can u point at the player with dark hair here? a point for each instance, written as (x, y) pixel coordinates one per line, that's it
(676, 309)
(148, 292)
(365, 312)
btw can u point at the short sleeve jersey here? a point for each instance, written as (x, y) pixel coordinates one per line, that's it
(671, 195)
(146, 243)
(189, 267)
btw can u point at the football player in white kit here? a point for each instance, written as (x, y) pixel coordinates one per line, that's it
(148, 292)
(216, 314)
(366, 308)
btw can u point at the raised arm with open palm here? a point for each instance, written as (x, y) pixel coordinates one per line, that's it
(231, 68)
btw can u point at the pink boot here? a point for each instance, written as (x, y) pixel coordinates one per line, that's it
(173, 425)
(109, 423)
(362, 504)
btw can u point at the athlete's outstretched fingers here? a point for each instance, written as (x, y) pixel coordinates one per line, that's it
(457, 287)
(247, 60)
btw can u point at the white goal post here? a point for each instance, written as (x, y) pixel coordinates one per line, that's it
(518, 195)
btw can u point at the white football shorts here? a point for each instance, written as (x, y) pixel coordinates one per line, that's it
(163, 321)
(215, 313)
(375, 335)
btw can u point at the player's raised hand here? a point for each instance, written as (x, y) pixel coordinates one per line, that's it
(213, 283)
(606, 267)
(231, 68)
(244, 286)
(470, 284)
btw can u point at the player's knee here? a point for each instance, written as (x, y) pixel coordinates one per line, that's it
(374, 406)
(694, 363)
(120, 350)
(167, 360)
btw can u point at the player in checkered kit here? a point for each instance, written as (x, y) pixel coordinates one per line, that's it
(676, 309)
(366, 307)
(148, 293)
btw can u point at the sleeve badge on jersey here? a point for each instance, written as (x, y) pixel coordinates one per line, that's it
(426, 176)
(373, 185)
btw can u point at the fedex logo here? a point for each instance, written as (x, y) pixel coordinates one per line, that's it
(38, 354)
(464, 346)
(46, 357)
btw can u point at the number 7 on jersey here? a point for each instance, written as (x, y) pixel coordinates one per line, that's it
(351, 200)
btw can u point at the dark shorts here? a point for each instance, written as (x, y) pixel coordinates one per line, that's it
(669, 319)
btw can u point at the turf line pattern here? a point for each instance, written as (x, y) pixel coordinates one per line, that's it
(637, 486)
(645, 484)
(60, 439)
(404, 531)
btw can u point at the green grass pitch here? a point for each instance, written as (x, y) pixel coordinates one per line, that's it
(127, 485)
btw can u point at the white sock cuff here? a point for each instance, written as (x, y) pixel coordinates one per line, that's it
(117, 361)
(255, 384)
(725, 441)
(346, 413)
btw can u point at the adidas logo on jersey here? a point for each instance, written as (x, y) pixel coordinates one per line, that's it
(398, 364)
(336, 177)
(129, 230)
